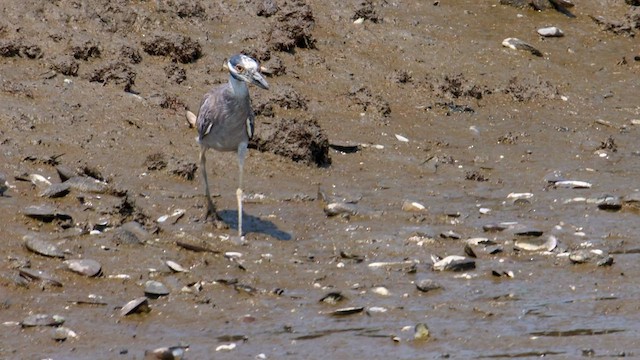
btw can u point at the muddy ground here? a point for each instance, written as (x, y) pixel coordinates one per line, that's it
(373, 106)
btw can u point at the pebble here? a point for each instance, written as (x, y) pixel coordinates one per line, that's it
(401, 138)
(174, 266)
(85, 184)
(421, 332)
(347, 311)
(131, 233)
(57, 190)
(609, 203)
(381, 290)
(591, 255)
(340, 208)
(517, 44)
(332, 298)
(167, 353)
(550, 31)
(41, 247)
(33, 274)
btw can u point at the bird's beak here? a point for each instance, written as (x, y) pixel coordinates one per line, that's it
(258, 80)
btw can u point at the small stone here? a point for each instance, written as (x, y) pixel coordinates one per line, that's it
(41, 247)
(609, 203)
(412, 206)
(426, 285)
(517, 44)
(421, 332)
(63, 333)
(42, 320)
(139, 305)
(454, 263)
(56, 190)
(86, 267)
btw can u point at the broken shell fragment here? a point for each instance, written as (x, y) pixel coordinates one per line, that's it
(139, 305)
(86, 267)
(412, 206)
(166, 353)
(332, 298)
(63, 333)
(572, 184)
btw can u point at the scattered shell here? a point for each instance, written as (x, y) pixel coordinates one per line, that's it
(572, 184)
(381, 290)
(226, 347)
(550, 31)
(45, 213)
(63, 333)
(347, 311)
(55, 190)
(86, 267)
(376, 309)
(41, 247)
(610, 203)
(39, 181)
(131, 233)
(344, 147)
(536, 244)
(401, 138)
(412, 206)
(166, 353)
(358, 21)
(32, 274)
(517, 44)
(426, 285)
(450, 234)
(340, 208)
(591, 255)
(42, 320)
(390, 263)
(332, 298)
(530, 232)
(174, 217)
(421, 332)
(139, 305)
(502, 273)
(175, 266)
(453, 263)
(65, 173)
(520, 196)
(87, 184)
(493, 227)
(154, 288)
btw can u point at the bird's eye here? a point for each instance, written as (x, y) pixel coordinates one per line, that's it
(239, 68)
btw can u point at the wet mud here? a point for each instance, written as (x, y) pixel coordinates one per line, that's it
(415, 189)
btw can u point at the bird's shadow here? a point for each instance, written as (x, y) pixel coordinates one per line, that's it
(253, 224)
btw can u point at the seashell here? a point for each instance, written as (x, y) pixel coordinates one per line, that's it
(454, 263)
(42, 320)
(517, 44)
(340, 208)
(39, 181)
(41, 247)
(344, 147)
(572, 184)
(358, 21)
(226, 347)
(32, 274)
(376, 309)
(494, 227)
(65, 173)
(45, 213)
(154, 288)
(175, 216)
(536, 244)
(139, 305)
(592, 255)
(550, 31)
(450, 234)
(530, 232)
(421, 332)
(381, 290)
(609, 203)
(63, 333)
(401, 138)
(347, 311)
(86, 184)
(166, 353)
(86, 267)
(332, 298)
(412, 206)
(175, 266)
(55, 191)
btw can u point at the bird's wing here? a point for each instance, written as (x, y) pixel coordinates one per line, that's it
(212, 111)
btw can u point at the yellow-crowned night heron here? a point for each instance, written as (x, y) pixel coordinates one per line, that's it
(226, 121)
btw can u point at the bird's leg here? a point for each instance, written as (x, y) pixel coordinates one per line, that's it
(211, 208)
(242, 152)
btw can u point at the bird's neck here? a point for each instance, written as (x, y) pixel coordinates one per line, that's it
(240, 88)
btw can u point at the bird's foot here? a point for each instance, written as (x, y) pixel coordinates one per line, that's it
(214, 218)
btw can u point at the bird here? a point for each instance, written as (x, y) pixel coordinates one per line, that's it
(225, 122)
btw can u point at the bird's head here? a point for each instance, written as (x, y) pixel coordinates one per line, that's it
(246, 69)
